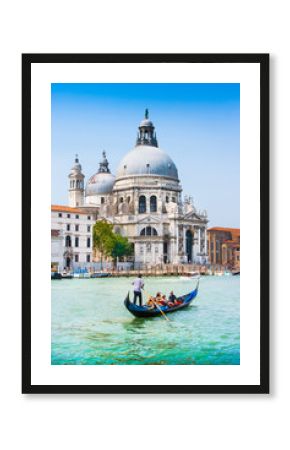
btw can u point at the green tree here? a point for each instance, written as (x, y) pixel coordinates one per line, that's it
(103, 238)
(109, 243)
(121, 247)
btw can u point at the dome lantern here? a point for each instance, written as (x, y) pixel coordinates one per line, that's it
(146, 134)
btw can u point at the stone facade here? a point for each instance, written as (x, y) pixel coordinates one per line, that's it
(144, 202)
(71, 237)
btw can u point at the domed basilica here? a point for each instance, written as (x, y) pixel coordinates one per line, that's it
(144, 202)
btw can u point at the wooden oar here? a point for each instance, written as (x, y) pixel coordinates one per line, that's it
(157, 306)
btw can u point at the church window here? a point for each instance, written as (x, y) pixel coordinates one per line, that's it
(142, 204)
(68, 241)
(76, 242)
(68, 227)
(149, 231)
(153, 203)
(88, 242)
(148, 247)
(59, 214)
(88, 258)
(73, 183)
(76, 258)
(78, 183)
(102, 200)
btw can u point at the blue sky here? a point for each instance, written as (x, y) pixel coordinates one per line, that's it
(198, 125)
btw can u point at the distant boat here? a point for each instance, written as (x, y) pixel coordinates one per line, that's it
(56, 276)
(100, 274)
(236, 272)
(191, 276)
(66, 275)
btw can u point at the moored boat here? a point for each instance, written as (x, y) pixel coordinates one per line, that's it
(145, 311)
(100, 275)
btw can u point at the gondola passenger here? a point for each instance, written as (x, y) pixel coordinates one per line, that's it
(172, 300)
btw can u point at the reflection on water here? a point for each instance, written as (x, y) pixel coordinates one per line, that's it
(90, 324)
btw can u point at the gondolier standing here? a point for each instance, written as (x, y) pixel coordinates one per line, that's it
(138, 284)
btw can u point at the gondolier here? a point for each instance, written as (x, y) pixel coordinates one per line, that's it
(138, 284)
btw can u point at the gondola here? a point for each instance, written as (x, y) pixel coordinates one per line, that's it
(143, 311)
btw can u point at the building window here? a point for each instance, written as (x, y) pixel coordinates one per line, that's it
(156, 250)
(102, 200)
(68, 241)
(76, 258)
(167, 199)
(77, 216)
(121, 199)
(76, 242)
(77, 227)
(59, 214)
(67, 227)
(88, 242)
(78, 183)
(128, 199)
(142, 204)
(88, 228)
(89, 217)
(88, 258)
(174, 199)
(153, 203)
(68, 216)
(149, 231)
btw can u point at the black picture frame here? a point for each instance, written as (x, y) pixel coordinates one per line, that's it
(263, 61)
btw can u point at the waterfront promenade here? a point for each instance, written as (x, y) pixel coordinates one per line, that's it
(168, 270)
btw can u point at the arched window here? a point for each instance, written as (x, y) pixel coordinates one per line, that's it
(73, 183)
(68, 241)
(128, 199)
(142, 204)
(149, 231)
(121, 199)
(78, 183)
(153, 203)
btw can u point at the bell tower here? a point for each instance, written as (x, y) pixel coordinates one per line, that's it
(76, 185)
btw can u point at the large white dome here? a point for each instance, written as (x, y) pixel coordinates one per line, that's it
(147, 160)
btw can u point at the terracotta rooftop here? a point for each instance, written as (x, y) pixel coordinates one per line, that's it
(68, 209)
(235, 231)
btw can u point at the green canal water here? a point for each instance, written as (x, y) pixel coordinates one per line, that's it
(90, 324)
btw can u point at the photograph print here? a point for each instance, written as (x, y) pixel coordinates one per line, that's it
(145, 231)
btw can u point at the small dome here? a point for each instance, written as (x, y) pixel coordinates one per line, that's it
(146, 123)
(147, 160)
(100, 183)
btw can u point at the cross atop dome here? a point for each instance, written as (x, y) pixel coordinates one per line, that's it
(146, 134)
